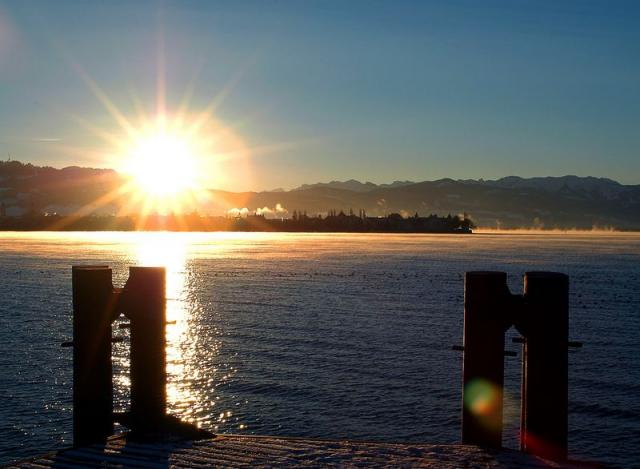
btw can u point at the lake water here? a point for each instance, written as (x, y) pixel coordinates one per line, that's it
(320, 335)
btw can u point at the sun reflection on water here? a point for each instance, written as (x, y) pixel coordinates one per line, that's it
(192, 352)
(170, 251)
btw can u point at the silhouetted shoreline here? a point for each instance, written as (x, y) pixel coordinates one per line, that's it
(333, 222)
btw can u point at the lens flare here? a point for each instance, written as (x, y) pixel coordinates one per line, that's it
(482, 398)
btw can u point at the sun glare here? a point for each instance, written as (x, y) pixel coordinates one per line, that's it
(172, 158)
(163, 165)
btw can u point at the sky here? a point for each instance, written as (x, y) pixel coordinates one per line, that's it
(323, 90)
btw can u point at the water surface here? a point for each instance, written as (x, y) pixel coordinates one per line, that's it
(320, 335)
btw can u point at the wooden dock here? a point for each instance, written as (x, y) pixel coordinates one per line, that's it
(264, 451)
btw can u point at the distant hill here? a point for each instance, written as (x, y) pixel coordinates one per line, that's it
(511, 202)
(25, 188)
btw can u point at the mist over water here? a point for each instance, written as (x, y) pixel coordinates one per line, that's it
(320, 335)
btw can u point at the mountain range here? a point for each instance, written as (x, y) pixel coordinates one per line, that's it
(511, 202)
(353, 185)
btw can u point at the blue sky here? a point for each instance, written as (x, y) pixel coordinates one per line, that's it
(370, 90)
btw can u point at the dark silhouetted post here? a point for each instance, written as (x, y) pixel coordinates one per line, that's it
(545, 376)
(144, 302)
(93, 306)
(483, 365)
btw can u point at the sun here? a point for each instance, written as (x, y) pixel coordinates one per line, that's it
(170, 159)
(163, 165)
(172, 162)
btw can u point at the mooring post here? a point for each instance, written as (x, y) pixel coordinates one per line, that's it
(544, 425)
(145, 305)
(93, 306)
(483, 364)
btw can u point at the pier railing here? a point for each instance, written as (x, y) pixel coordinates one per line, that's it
(540, 315)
